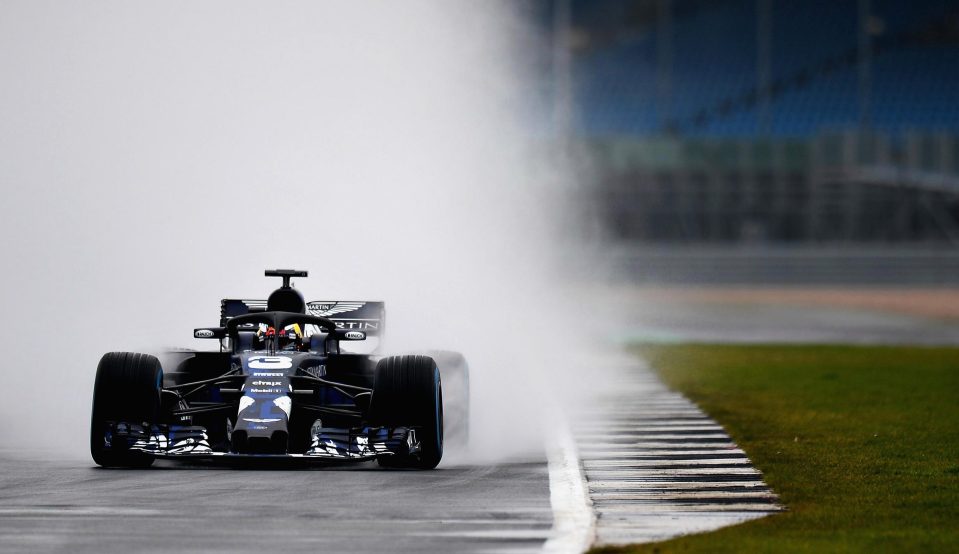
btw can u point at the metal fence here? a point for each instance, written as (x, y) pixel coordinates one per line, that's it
(834, 187)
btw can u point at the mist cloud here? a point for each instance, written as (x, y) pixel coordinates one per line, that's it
(156, 158)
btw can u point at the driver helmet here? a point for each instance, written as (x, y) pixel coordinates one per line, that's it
(290, 337)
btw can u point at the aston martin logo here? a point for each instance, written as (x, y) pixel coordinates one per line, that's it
(326, 309)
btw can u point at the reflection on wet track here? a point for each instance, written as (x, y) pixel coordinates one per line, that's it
(72, 506)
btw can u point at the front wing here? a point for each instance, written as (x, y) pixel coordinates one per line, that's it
(327, 444)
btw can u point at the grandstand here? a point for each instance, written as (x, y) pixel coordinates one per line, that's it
(761, 121)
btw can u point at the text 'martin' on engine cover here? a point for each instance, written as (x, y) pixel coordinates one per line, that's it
(358, 315)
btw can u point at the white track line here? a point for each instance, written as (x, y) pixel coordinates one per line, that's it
(674, 485)
(618, 450)
(651, 445)
(683, 495)
(574, 521)
(626, 459)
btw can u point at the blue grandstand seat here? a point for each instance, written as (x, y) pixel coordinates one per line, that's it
(714, 63)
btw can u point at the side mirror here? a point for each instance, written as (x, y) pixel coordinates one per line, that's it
(344, 334)
(210, 333)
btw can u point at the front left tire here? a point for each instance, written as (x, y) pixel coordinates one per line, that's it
(407, 392)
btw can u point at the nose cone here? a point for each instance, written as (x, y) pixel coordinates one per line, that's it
(263, 420)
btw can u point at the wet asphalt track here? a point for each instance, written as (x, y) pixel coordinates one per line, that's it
(72, 506)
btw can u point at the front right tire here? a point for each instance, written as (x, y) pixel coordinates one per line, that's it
(127, 389)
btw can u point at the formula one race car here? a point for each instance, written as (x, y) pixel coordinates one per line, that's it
(286, 383)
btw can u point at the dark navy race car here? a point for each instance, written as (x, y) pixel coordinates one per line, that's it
(291, 380)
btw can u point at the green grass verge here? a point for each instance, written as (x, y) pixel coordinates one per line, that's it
(860, 443)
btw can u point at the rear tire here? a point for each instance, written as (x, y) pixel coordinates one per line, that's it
(127, 389)
(455, 374)
(408, 392)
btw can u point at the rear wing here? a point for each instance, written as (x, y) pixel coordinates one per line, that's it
(352, 315)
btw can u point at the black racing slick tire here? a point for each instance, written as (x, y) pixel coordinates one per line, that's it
(127, 389)
(408, 392)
